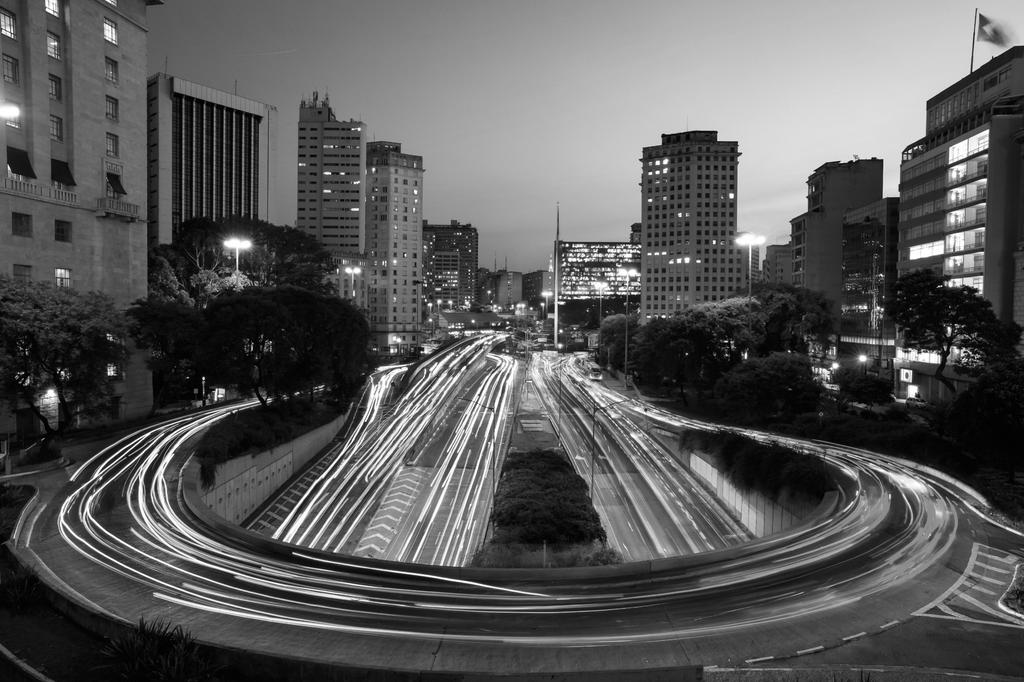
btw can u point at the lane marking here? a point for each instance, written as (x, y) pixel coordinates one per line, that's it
(890, 624)
(850, 638)
(812, 650)
(759, 660)
(993, 568)
(983, 589)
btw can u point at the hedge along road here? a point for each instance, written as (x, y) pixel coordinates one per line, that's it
(128, 537)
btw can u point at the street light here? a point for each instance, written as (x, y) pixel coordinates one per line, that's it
(593, 438)
(629, 275)
(546, 294)
(352, 271)
(863, 360)
(237, 244)
(748, 240)
(600, 286)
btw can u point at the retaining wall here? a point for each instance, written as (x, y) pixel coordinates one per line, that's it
(242, 484)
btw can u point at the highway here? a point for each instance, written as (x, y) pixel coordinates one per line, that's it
(900, 549)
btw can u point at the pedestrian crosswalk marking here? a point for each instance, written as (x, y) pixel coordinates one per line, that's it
(963, 601)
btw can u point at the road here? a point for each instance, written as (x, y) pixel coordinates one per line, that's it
(891, 575)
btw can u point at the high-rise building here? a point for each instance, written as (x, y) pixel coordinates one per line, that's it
(503, 289)
(331, 178)
(394, 244)
(817, 235)
(688, 190)
(778, 263)
(584, 264)
(535, 284)
(870, 235)
(209, 155)
(76, 161)
(960, 207)
(450, 261)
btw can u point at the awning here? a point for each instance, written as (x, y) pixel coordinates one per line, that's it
(114, 180)
(60, 172)
(17, 161)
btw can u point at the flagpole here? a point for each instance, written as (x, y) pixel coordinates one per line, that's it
(974, 37)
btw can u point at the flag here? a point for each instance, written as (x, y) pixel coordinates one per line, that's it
(991, 32)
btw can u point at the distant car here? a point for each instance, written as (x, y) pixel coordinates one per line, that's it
(916, 401)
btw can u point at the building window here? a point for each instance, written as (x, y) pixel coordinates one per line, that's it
(53, 7)
(56, 91)
(8, 26)
(110, 31)
(61, 231)
(111, 72)
(53, 45)
(112, 108)
(62, 278)
(11, 74)
(56, 128)
(21, 224)
(113, 145)
(22, 273)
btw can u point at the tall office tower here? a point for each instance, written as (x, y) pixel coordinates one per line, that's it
(332, 171)
(394, 243)
(778, 263)
(535, 284)
(817, 235)
(688, 228)
(76, 162)
(960, 207)
(752, 268)
(450, 260)
(584, 264)
(870, 235)
(635, 233)
(503, 289)
(209, 155)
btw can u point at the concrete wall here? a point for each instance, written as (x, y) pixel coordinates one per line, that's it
(759, 514)
(241, 485)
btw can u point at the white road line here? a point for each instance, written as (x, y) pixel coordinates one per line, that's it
(987, 579)
(993, 568)
(1008, 559)
(812, 650)
(985, 590)
(850, 638)
(890, 624)
(758, 660)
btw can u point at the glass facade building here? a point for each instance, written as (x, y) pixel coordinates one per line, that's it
(583, 264)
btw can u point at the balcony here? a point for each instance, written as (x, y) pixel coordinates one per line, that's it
(957, 225)
(957, 202)
(35, 190)
(953, 179)
(107, 207)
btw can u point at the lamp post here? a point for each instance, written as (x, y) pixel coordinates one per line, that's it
(629, 275)
(748, 240)
(352, 271)
(237, 244)
(863, 360)
(593, 438)
(600, 286)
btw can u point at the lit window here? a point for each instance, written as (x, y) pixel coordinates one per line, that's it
(56, 127)
(53, 45)
(11, 71)
(112, 108)
(56, 91)
(53, 7)
(14, 122)
(113, 145)
(110, 31)
(8, 26)
(62, 277)
(111, 70)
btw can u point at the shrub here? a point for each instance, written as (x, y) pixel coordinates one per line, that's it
(158, 652)
(20, 590)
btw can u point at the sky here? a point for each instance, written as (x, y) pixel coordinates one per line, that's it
(519, 106)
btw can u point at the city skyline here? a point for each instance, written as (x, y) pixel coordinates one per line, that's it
(515, 109)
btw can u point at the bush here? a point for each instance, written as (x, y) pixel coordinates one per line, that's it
(158, 652)
(20, 591)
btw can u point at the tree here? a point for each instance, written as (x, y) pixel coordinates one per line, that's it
(936, 318)
(613, 334)
(791, 315)
(779, 385)
(284, 256)
(857, 386)
(170, 330)
(988, 418)
(59, 340)
(280, 341)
